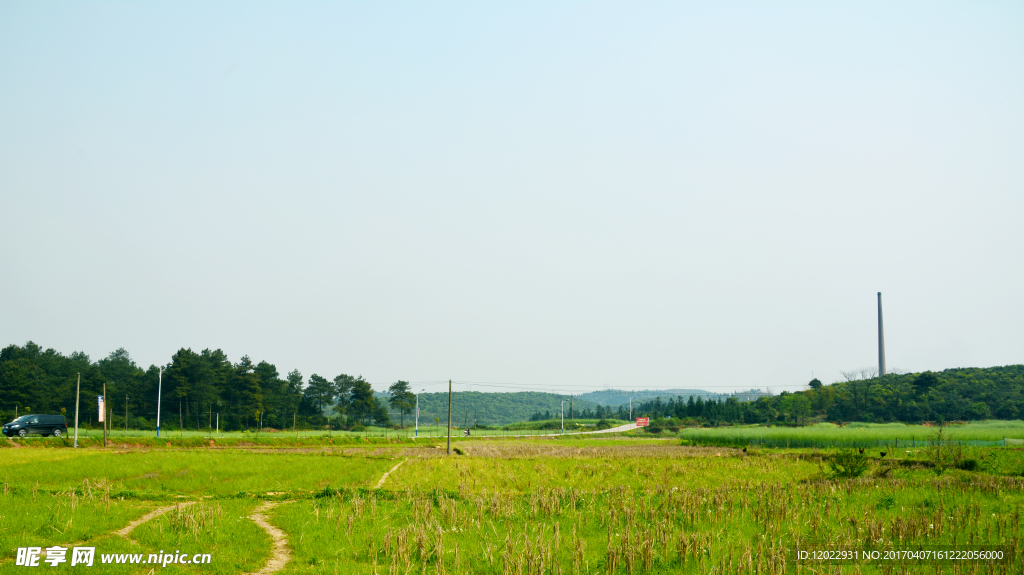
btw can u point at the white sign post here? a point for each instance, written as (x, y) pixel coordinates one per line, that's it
(102, 401)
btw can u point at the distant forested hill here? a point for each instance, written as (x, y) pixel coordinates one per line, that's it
(954, 394)
(968, 393)
(616, 397)
(497, 408)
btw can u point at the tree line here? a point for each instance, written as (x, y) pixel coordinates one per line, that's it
(199, 391)
(949, 395)
(204, 389)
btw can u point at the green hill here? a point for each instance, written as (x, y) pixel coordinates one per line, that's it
(616, 397)
(494, 408)
(959, 394)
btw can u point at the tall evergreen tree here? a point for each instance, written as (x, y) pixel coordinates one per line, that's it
(320, 392)
(248, 393)
(343, 392)
(402, 399)
(362, 402)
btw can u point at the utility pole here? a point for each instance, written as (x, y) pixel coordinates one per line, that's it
(78, 391)
(563, 416)
(881, 339)
(159, 393)
(103, 409)
(450, 417)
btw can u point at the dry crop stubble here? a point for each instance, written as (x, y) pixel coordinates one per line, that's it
(525, 510)
(532, 467)
(529, 507)
(730, 528)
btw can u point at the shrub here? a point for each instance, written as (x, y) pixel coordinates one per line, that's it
(967, 464)
(886, 502)
(847, 464)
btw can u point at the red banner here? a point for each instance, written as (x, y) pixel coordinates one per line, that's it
(642, 421)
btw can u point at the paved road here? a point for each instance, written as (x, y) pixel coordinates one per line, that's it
(627, 427)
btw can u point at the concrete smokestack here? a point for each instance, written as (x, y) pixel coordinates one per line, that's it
(881, 339)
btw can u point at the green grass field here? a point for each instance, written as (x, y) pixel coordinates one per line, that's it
(425, 431)
(829, 434)
(565, 505)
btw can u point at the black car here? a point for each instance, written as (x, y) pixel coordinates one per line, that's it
(39, 424)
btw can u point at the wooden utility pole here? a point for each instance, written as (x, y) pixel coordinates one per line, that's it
(78, 391)
(450, 417)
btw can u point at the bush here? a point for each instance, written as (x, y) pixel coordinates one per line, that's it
(967, 464)
(847, 464)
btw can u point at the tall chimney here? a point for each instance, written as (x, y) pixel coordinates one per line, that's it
(881, 339)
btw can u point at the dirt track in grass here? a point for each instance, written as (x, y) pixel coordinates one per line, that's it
(384, 478)
(127, 529)
(281, 554)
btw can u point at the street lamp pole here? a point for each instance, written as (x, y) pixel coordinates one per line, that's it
(159, 392)
(78, 391)
(563, 416)
(449, 417)
(418, 411)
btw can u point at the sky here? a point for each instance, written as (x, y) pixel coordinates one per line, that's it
(547, 196)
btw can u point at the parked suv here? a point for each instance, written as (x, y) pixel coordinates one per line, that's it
(40, 424)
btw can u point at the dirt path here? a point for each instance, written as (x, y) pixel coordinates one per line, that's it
(124, 531)
(280, 554)
(380, 483)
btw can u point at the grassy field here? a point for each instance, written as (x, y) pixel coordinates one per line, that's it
(565, 505)
(853, 434)
(425, 431)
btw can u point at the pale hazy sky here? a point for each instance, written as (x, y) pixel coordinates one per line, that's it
(561, 196)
